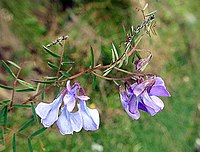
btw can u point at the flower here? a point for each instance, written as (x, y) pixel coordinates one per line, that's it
(69, 121)
(89, 116)
(49, 112)
(143, 96)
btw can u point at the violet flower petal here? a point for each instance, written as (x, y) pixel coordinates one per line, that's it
(90, 116)
(126, 105)
(69, 122)
(49, 112)
(159, 89)
(69, 101)
(150, 105)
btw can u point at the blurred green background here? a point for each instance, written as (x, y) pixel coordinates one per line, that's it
(26, 25)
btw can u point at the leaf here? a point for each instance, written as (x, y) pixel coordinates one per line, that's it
(5, 115)
(92, 57)
(37, 89)
(65, 74)
(2, 135)
(25, 90)
(4, 101)
(44, 82)
(8, 69)
(115, 51)
(34, 113)
(145, 6)
(151, 13)
(24, 83)
(21, 106)
(113, 56)
(50, 52)
(50, 78)
(14, 143)
(138, 55)
(43, 93)
(38, 132)
(5, 87)
(70, 62)
(51, 65)
(30, 145)
(14, 64)
(26, 125)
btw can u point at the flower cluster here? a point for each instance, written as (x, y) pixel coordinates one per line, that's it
(143, 95)
(69, 121)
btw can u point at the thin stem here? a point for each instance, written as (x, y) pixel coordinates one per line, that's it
(14, 85)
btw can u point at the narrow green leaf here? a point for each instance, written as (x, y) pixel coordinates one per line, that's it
(26, 125)
(14, 143)
(92, 57)
(51, 65)
(51, 52)
(25, 90)
(115, 51)
(134, 54)
(113, 56)
(70, 62)
(138, 55)
(38, 132)
(44, 82)
(4, 101)
(121, 63)
(50, 78)
(30, 145)
(65, 74)
(5, 87)
(14, 64)
(5, 115)
(149, 14)
(43, 93)
(2, 135)
(145, 6)
(107, 72)
(37, 89)
(21, 106)
(34, 113)
(8, 69)
(24, 83)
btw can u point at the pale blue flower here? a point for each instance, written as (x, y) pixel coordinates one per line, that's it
(49, 112)
(89, 116)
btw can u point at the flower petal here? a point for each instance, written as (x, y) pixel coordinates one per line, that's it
(139, 89)
(64, 123)
(49, 112)
(70, 101)
(90, 116)
(68, 87)
(69, 122)
(126, 104)
(159, 89)
(43, 109)
(149, 104)
(83, 98)
(158, 102)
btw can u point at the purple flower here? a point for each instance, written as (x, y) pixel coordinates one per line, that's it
(89, 116)
(71, 95)
(49, 112)
(69, 121)
(143, 96)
